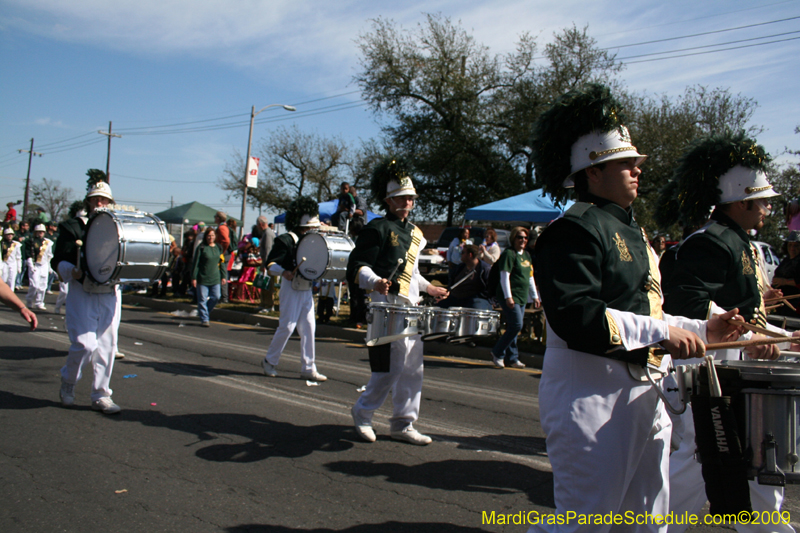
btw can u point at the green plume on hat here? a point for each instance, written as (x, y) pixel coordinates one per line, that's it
(573, 115)
(702, 164)
(388, 169)
(302, 205)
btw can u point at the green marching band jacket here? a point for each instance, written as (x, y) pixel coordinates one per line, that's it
(379, 245)
(594, 258)
(716, 264)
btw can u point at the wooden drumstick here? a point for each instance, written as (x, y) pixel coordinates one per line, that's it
(303, 260)
(399, 262)
(754, 329)
(739, 344)
(78, 243)
(781, 298)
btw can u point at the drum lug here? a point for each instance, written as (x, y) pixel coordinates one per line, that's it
(771, 474)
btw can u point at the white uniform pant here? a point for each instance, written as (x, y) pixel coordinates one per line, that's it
(63, 290)
(9, 273)
(404, 381)
(37, 283)
(297, 311)
(92, 324)
(687, 488)
(607, 438)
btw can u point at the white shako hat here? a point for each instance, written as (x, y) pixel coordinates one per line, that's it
(599, 147)
(101, 188)
(8, 231)
(403, 187)
(309, 221)
(720, 168)
(742, 183)
(39, 227)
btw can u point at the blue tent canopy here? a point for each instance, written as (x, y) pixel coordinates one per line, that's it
(533, 206)
(326, 211)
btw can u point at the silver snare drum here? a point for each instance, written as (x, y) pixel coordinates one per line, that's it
(126, 247)
(390, 322)
(772, 406)
(476, 322)
(438, 323)
(326, 255)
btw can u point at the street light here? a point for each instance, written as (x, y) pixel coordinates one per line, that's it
(253, 114)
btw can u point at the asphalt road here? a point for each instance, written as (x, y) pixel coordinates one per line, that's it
(206, 442)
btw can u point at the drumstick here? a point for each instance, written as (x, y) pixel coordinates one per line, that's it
(399, 262)
(462, 280)
(738, 344)
(303, 260)
(771, 308)
(781, 298)
(753, 328)
(78, 243)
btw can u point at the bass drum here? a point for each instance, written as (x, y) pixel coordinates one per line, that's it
(126, 247)
(325, 255)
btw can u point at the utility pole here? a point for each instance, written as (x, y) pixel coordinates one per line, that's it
(108, 158)
(31, 153)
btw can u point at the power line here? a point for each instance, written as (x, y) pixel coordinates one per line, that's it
(712, 45)
(701, 34)
(163, 180)
(710, 51)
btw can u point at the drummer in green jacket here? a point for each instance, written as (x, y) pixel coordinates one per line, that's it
(384, 263)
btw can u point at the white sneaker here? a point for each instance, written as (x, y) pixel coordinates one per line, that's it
(313, 376)
(269, 370)
(363, 427)
(498, 362)
(67, 393)
(41, 308)
(106, 405)
(517, 364)
(119, 355)
(412, 436)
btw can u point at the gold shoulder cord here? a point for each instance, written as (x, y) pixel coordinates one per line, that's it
(761, 316)
(654, 295)
(404, 280)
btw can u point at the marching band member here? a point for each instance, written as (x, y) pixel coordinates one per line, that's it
(37, 253)
(608, 432)
(396, 367)
(92, 310)
(717, 267)
(12, 257)
(296, 299)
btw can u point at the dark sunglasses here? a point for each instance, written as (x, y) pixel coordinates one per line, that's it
(522, 237)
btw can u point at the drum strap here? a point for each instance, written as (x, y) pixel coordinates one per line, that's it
(404, 279)
(721, 455)
(379, 357)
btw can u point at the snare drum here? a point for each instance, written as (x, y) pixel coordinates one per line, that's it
(772, 403)
(126, 247)
(438, 323)
(390, 322)
(476, 322)
(326, 255)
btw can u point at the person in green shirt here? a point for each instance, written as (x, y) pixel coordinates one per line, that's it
(515, 289)
(207, 275)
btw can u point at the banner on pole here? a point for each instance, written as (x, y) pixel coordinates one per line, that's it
(252, 172)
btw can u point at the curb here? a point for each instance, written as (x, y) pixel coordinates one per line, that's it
(324, 330)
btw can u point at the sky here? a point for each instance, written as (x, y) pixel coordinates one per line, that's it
(178, 78)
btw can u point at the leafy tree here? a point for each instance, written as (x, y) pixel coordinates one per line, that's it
(95, 176)
(463, 116)
(53, 198)
(662, 127)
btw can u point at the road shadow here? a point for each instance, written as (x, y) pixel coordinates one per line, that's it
(265, 438)
(392, 526)
(513, 444)
(27, 353)
(11, 401)
(187, 369)
(491, 476)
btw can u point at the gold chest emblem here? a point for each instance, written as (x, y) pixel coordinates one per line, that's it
(393, 239)
(624, 254)
(747, 266)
